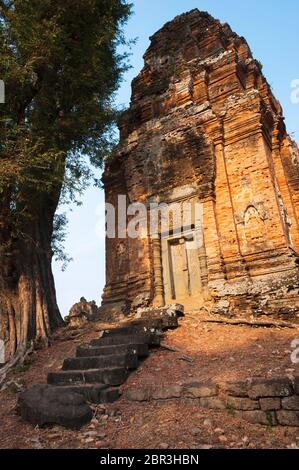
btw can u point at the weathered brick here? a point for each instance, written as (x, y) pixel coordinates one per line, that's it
(291, 403)
(237, 389)
(270, 404)
(200, 390)
(270, 388)
(288, 418)
(296, 385)
(260, 417)
(167, 392)
(242, 403)
(135, 394)
(212, 403)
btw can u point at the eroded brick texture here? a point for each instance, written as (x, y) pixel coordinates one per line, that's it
(203, 125)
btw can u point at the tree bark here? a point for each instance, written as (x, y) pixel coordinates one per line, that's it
(28, 306)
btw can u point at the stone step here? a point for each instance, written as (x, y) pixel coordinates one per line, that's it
(143, 326)
(97, 362)
(126, 330)
(111, 376)
(121, 339)
(100, 393)
(91, 351)
(162, 323)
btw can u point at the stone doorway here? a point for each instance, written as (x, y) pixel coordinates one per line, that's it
(184, 272)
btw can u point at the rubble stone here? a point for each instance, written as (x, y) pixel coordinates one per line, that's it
(82, 312)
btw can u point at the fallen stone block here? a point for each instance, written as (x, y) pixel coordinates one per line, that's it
(82, 312)
(43, 404)
(176, 310)
(162, 323)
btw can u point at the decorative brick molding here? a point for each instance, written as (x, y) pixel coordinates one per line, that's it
(262, 401)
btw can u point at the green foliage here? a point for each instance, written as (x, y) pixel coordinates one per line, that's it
(230, 409)
(260, 64)
(60, 64)
(22, 368)
(58, 239)
(13, 388)
(269, 417)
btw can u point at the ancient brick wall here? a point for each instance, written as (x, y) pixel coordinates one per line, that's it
(203, 123)
(269, 402)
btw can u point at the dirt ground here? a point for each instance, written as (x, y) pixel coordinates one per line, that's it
(205, 351)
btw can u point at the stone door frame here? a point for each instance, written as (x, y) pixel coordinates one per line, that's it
(161, 242)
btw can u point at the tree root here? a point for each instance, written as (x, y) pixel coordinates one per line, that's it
(257, 323)
(19, 358)
(183, 357)
(169, 348)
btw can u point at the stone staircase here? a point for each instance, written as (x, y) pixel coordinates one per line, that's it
(103, 365)
(100, 367)
(96, 373)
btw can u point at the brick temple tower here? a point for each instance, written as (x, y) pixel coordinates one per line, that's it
(204, 127)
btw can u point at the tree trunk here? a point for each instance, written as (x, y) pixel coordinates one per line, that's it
(28, 306)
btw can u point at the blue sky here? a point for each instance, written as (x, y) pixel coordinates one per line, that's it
(271, 29)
